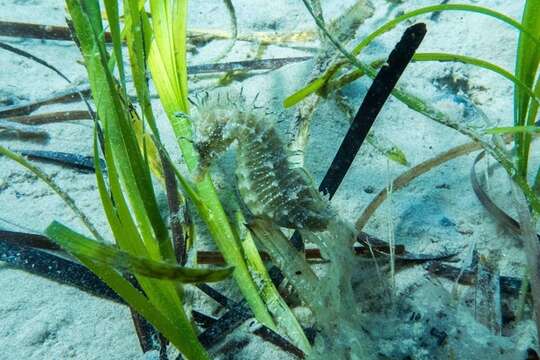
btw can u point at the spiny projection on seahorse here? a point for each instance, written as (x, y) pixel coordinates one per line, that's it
(267, 182)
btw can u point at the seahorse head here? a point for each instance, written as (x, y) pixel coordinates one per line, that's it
(218, 121)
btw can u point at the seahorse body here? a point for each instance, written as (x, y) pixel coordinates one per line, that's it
(268, 184)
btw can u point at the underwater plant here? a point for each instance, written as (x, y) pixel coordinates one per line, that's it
(134, 155)
(277, 195)
(526, 79)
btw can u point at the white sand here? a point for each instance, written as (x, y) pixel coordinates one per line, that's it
(44, 320)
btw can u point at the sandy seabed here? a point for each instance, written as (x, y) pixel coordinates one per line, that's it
(40, 319)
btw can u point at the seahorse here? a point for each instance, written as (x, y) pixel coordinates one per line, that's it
(269, 185)
(275, 190)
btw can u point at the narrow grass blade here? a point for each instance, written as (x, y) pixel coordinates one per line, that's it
(304, 92)
(388, 149)
(507, 221)
(289, 260)
(513, 130)
(118, 215)
(447, 57)
(113, 18)
(54, 186)
(275, 303)
(528, 60)
(136, 222)
(138, 39)
(93, 9)
(84, 247)
(113, 110)
(320, 82)
(178, 331)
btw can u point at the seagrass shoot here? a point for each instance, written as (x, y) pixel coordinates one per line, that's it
(163, 202)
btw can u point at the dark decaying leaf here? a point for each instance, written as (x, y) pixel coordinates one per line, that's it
(35, 241)
(496, 212)
(76, 161)
(173, 201)
(256, 64)
(216, 295)
(13, 130)
(372, 104)
(33, 58)
(28, 244)
(278, 340)
(487, 305)
(52, 117)
(71, 94)
(201, 319)
(44, 264)
(233, 318)
(380, 247)
(74, 93)
(36, 31)
(146, 333)
(376, 248)
(509, 285)
(21, 251)
(378, 93)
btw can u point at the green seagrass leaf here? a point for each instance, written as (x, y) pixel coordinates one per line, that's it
(85, 248)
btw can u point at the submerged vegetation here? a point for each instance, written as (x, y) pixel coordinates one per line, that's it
(279, 208)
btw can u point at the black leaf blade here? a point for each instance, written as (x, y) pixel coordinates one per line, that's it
(377, 95)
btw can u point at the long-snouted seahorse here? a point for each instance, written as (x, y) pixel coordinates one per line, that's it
(273, 189)
(269, 185)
